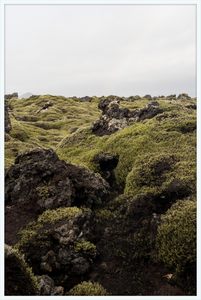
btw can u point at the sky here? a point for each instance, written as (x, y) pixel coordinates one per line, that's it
(101, 50)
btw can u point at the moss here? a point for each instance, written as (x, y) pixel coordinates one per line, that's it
(18, 270)
(88, 289)
(176, 240)
(35, 232)
(86, 248)
(17, 130)
(43, 192)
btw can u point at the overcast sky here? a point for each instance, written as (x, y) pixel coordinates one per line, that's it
(79, 50)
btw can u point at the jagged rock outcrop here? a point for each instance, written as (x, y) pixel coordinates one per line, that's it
(47, 287)
(115, 118)
(60, 244)
(7, 122)
(183, 97)
(9, 96)
(39, 176)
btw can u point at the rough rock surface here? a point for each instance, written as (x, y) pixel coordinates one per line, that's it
(39, 176)
(107, 164)
(47, 287)
(115, 118)
(191, 105)
(9, 96)
(45, 107)
(7, 123)
(85, 99)
(61, 255)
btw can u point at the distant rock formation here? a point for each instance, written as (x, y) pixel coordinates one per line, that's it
(85, 99)
(9, 96)
(115, 118)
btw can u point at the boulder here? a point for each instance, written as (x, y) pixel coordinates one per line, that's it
(7, 122)
(38, 176)
(85, 99)
(148, 97)
(115, 118)
(9, 96)
(47, 287)
(59, 242)
(149, 111)
(192, 105)
(183, 97)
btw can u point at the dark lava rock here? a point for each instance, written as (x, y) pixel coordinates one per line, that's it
(115, 118)
(67, 249)
(47, 104)
(38, 176)
(7, 122)
(149, 204)
(148, 97)
(183, 97)
(85, 99)
(9, 96)
(149, 111)
(47, 287)
(191, 105)
(107, 164)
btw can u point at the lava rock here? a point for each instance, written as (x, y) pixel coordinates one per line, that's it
(107, 164)
(47, 287)
(85, 99)
(9, 96)
(115, 118)
(38, 176)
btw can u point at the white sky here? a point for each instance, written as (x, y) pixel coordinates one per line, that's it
(79, 50)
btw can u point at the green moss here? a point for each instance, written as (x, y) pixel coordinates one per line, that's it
(176, 240)
(17, 130)
(35, 232)
(86, 248)
(22, 272)
(88, 289)
(43, 192)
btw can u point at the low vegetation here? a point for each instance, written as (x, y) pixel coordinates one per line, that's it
(149, 216)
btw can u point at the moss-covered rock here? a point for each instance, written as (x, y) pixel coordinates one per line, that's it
(176, 240)
(88, 289)
(19, 278)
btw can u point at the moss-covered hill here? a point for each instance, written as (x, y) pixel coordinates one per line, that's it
(156, 167)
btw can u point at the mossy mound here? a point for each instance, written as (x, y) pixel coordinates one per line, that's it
(176, 240)
(19, 279)
(38, 234)
(88, 289)
(17, 131)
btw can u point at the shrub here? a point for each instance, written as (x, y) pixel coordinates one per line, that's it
(87, 289)
(176, 240)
